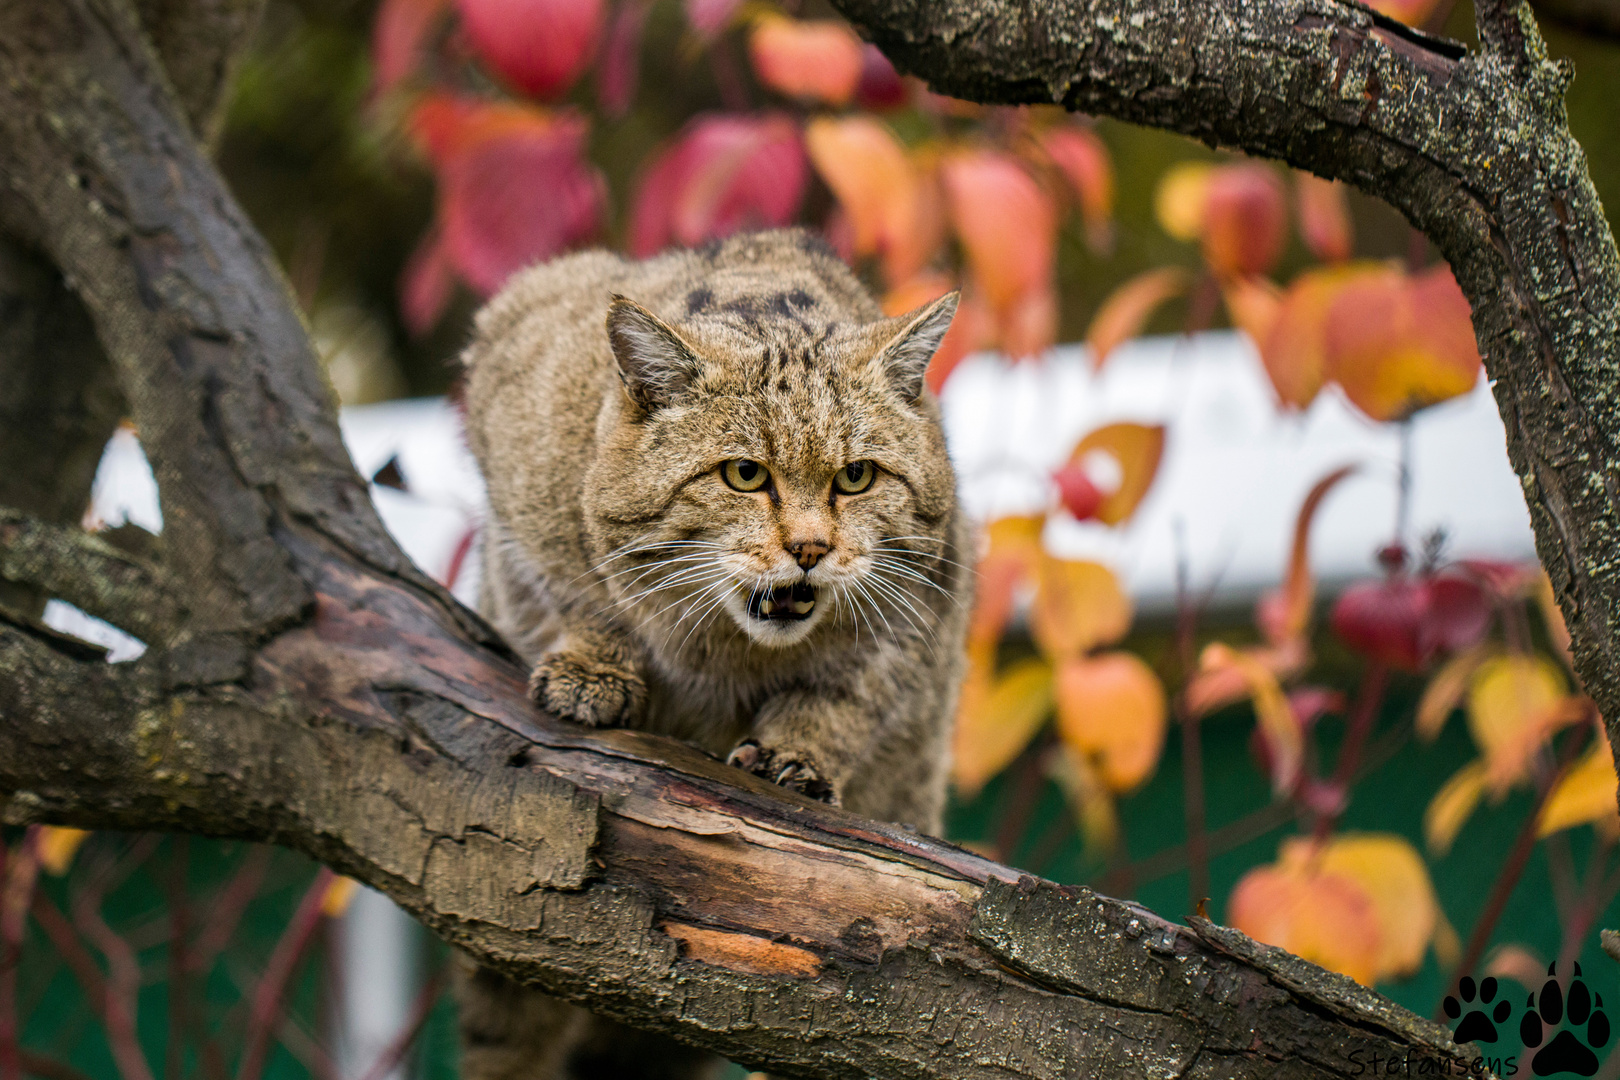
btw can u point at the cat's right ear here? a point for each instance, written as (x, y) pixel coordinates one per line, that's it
(654, 363)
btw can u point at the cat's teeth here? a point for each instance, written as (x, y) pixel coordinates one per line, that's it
(803, 607)
(766, 607)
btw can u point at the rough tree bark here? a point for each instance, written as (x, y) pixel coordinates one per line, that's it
(308, 686)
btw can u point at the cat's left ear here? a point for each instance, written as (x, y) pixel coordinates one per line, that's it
(904, 358)
(655, 365)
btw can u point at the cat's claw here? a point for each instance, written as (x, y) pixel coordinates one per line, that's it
(588, 691)
(779, 768)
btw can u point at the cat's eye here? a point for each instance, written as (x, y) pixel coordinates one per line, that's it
(745, 475)
(854, 478)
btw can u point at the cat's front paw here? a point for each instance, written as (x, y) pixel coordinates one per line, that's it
(589, 690)
(784, 767)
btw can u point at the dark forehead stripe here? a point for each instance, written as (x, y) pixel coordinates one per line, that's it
(699, 300)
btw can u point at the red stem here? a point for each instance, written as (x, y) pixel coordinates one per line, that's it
(1362, 721)
(123, 978)
(278, 973)
(227, 908)
(22, 871)
(1512, 869)
(421, 1008)
(180, 928)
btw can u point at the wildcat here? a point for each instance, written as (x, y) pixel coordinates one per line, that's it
(721, 509)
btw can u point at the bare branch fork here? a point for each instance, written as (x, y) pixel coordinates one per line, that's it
(308, 686)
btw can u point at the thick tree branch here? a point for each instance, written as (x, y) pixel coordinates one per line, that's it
(90, 573)
(1474, 149)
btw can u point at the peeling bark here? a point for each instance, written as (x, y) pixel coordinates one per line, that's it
(312, 688)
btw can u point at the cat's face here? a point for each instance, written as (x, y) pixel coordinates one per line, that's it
(776, 488)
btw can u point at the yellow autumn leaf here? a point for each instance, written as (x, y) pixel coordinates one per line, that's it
(57, 844)
(1178, 202)
(1137, 449)
(1079, 606)
(1452, 805)
(1395, 878)
(1090, 799)
(1585, 794)
(1446, 689)
(1111, 710)
(1011, 560)
(335, 901)
(1271, 709)
(996, 719)
(1512, 697)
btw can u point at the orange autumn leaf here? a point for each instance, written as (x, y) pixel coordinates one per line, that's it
(1294, 352)
(1272, 712)
(1011, 560)
(1007, 225)
(816, 60)
(1079, 606)
(1111, 709)
(1079, 153)
(1585, 794)
(1410, 12)
(57, 844)
(1127, 309)
(1136, 450)
(1245, 219)
(1325, 918)
(1285, 616)
(1452, 805)
(1252, 303)
(338, 894)
(995, 720)
(1392, 874)
(893, 208)
(1398, 344)
(1324, 217)
(1178, 200)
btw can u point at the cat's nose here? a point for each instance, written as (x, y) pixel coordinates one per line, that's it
(807, 552)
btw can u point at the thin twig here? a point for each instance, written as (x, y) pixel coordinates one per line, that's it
(180, 928)
(21, 873)
(421, 1009)
(1363, 719)
(1512, 869)
(123, 967)
(268, 995)
(227, 907)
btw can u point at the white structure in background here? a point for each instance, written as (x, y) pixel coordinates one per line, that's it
(1233, 475)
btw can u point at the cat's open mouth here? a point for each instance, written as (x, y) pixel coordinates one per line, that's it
(790, 602)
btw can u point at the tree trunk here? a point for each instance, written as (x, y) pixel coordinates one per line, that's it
(308, 686)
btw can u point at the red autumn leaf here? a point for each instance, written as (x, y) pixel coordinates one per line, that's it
(426, 283)
(398, 33)
(1324, 217)
(1398, 344)
(709, 17)
(514, 185)
(881, 87)
(1406, 622)
(619, 69)
(1126, 310)
(815, 60)
(540, 46)
(1012, 560)
(1078, 494)
(1284, 615)
(722, 174)
(1245, 218)
(1084, 161)
(1007, 225)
